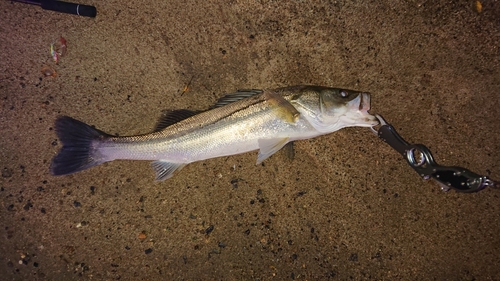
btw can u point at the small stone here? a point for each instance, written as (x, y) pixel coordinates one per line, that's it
(142, 235)
(209, 229)
(28, 206)
(6, 173)
(148, 251)
(234, 182)
(353, 257)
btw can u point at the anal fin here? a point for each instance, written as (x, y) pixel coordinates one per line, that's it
(268, 147)
(165, 170)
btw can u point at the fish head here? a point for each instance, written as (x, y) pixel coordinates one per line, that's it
(330, 109)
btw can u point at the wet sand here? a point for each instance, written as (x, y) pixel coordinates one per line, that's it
(346, 207)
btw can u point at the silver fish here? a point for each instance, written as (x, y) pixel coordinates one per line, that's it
(264, 120)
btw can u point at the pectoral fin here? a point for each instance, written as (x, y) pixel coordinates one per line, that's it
(268, 147)
(283, 108)
(165, 170)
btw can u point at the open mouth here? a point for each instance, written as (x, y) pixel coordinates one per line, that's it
(364, 103)
(359, 111)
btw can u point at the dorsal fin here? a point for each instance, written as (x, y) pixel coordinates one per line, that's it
(239, 95)
(171, 117)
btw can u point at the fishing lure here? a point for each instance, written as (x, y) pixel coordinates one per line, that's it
(58, 49)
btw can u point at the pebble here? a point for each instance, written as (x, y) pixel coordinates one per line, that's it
(6, 173)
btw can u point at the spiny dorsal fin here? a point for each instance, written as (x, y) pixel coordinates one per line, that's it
(173, 116)
(239, 95)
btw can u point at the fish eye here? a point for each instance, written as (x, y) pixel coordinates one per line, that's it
(343, 93)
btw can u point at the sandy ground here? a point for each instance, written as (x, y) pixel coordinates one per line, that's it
(347, 206)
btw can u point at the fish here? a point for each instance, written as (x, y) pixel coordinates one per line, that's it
(241, 122)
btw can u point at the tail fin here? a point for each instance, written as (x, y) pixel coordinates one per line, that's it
(78, 152)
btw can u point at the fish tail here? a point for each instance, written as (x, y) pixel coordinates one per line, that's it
(79, 151)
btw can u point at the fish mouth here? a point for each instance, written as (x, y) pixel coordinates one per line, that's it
(364, 102)
(358, 112)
